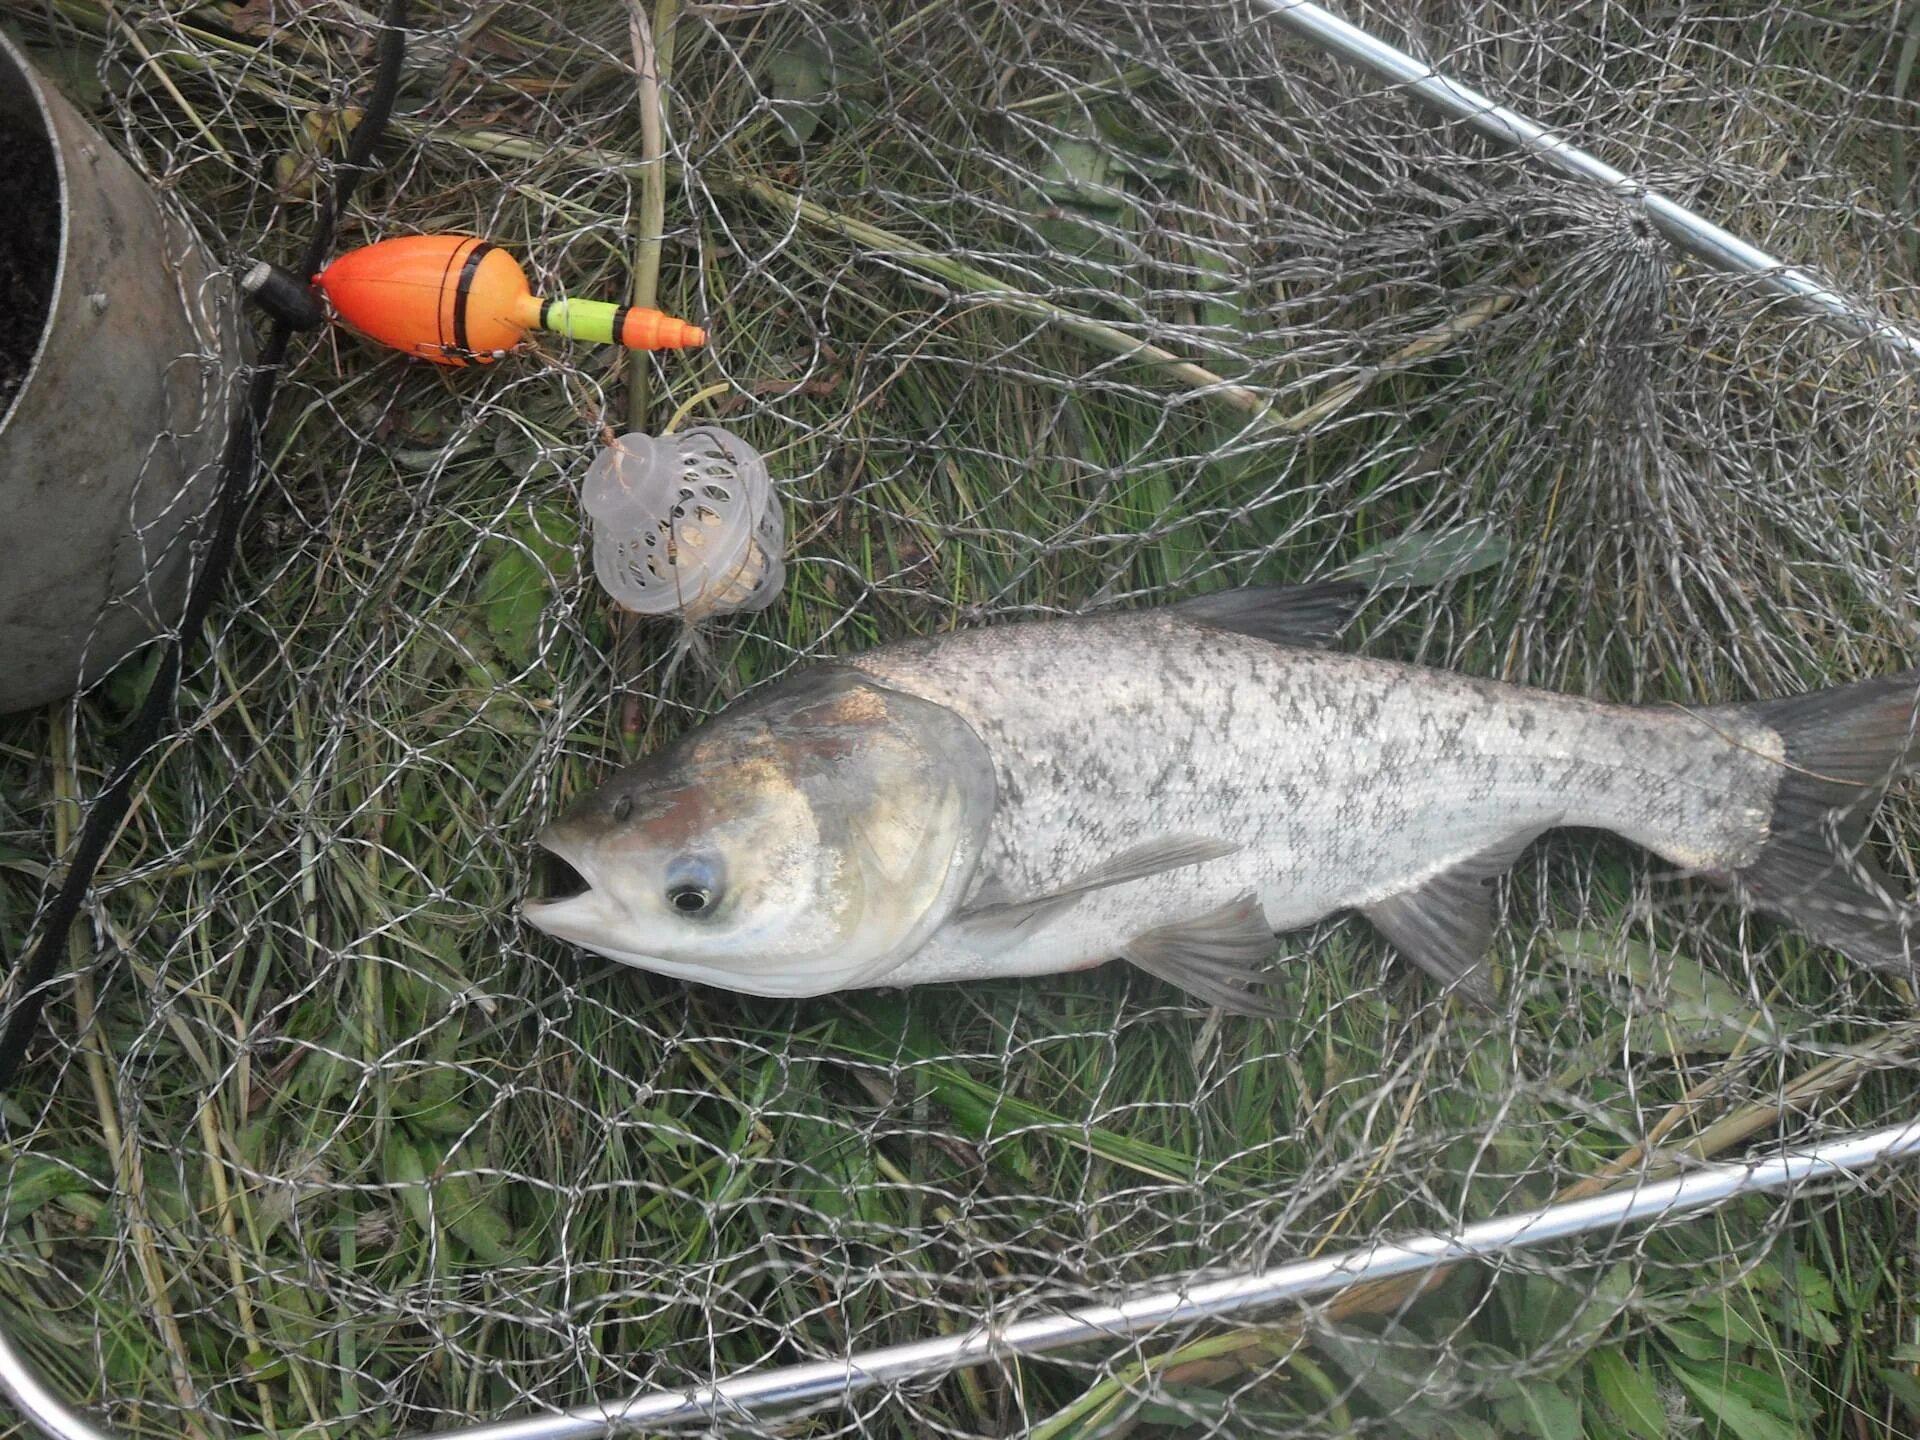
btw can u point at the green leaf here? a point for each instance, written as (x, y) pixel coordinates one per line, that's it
(1539, 1407)
(128, 1355)
(1733, 1405)
(1427, 557)
(130, 680)
(1078, 193)
(798, 83)
(408, 1176)
(75, 74)
(1220, 282)
(1701, 1012)
(984, 1113)
(1572, 1316)
(514, 593)
(1606, 1298)
(1903, 1387)
(1629, 1395)
(1810, 1305)
(34, 1181)
(260, 1367)
(830, 70)
(292, 1317)
(1393, 1377)
(1726, 1317)
(1075, 170)
(1815, 1289)
(519, 581)
(1691, 1340)
(1135, 150)
(27, 862)
(475, 1222)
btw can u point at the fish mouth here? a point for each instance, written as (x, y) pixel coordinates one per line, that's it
(563, 886)
(556, 879)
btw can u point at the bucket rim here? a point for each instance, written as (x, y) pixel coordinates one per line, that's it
(34, 88)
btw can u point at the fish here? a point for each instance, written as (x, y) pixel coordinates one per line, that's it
(1175, 787)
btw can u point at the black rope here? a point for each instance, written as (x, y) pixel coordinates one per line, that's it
(33, 978)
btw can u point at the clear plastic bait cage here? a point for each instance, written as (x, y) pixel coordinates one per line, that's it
(685, 524)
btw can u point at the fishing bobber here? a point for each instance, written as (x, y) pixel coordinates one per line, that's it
(685, 524)
(458, 300)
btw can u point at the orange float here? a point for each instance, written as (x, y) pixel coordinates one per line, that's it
(460, 300)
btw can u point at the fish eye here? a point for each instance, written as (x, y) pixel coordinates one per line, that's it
(693, 885)
(689, 899)
(622, 807)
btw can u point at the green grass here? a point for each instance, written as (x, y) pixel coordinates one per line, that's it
(380, 1159)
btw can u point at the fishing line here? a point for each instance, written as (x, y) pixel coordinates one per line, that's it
(35, 974)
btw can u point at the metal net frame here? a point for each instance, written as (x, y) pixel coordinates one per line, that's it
(1033, 305)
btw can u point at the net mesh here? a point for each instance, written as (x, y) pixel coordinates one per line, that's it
(321, 1138)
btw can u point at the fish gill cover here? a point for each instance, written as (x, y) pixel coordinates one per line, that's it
(1031, 306)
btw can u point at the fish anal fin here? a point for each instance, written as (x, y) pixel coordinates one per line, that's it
(1445, 924)
(1311, 615)
(1000, 918)
(1214, 957)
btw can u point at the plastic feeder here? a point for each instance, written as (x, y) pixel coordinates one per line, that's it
(685, 524)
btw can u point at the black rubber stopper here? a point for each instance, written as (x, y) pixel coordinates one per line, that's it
(284, 296)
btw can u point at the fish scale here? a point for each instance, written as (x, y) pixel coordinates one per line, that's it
(1343, 779)
(1173, 787)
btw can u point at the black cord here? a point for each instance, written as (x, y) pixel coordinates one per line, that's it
(32, 979)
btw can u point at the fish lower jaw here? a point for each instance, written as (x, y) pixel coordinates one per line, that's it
(765, 986)
(581, 920)
(572, 917)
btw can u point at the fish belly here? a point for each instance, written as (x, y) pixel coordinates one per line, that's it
(1341, 780)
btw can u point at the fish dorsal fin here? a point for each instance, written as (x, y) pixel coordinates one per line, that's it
(1280, 614)
(1445, 924)
(1000, 918)
(1213, 957)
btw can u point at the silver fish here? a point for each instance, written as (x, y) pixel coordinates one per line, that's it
(1175, 786)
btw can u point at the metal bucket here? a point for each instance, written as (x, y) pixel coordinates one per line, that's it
(110, 445)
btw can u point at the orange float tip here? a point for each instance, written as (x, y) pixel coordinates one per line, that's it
(654, 330)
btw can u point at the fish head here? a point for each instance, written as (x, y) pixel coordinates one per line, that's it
(806, 842)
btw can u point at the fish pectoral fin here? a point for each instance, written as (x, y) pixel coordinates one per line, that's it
(994, 926)
(1155, 857)
(1000, 918)
(1445, 924)
(1214, 957)
(1280, 614)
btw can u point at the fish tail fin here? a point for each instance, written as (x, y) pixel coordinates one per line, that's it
(1844, 747)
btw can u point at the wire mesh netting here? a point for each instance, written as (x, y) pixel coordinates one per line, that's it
(1032, 306)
